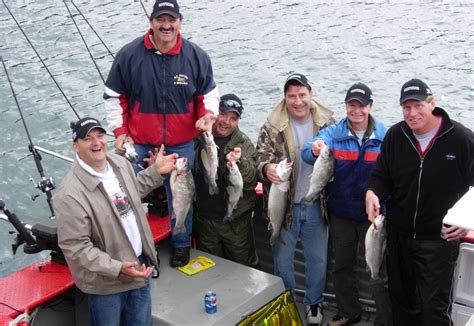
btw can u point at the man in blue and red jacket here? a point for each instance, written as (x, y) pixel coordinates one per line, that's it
(355, 144)
(160, 90)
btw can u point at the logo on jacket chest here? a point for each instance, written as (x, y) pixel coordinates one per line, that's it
(450, 156)
(181, 79)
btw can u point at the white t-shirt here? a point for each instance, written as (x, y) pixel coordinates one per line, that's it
(120, 200)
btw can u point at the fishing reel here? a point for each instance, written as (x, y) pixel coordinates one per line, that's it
(130, 152)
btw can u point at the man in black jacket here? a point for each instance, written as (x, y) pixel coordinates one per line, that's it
(424, 167)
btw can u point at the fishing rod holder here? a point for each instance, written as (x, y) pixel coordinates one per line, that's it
(36, 238)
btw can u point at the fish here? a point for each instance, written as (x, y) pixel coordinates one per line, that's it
(182, 189)
(234, 190)
(375, 244)
(210, 162)
(323, 170)
(278, 200)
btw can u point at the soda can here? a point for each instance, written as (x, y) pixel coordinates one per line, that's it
(210, 302)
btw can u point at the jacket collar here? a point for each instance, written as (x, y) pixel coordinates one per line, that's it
(150, 46)
(90, 181)
(446, 123)
(279, 119)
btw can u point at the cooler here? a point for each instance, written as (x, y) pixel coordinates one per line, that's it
(462, 314)
(464, 273)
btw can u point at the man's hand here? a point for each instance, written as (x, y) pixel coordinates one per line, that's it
(454, 233)
(205, 122)
(317, 146)
(235, 155)
(163, 163)
(270, 172)
(372, 206)
(131, 269)
(119, 143)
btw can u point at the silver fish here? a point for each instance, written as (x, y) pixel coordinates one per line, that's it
(234, 190)
(182, 188)
(323, 170)
(278, 200)
(375, 244)
(210, 162)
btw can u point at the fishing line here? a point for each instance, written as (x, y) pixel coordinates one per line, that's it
(39, 57)
(84, 41)
(45, 185)
(141, 2)
(92, 28)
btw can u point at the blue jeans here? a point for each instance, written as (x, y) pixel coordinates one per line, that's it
(184, 150)
(130, 307)
(308, 226)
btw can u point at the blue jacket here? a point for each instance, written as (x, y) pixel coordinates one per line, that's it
(157, 97)
(353, 164)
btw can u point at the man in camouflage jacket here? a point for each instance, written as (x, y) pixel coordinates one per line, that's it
(295, 120)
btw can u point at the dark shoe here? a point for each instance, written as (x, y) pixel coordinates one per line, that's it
(180, 257)
(314, 315)
(339, 320)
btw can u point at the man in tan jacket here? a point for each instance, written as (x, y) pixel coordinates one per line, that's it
(102, 227)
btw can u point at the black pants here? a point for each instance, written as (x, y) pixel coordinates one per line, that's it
(420, 279)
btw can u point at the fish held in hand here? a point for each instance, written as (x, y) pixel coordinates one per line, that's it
(323, 170)
(211, 162)
(278, 200)
(375, 245)
(234, 189)
(182, 189)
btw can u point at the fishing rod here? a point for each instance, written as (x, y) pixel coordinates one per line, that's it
(46, 185)
(39, 57)
(141, 2)
(92, 28)
(84, 41)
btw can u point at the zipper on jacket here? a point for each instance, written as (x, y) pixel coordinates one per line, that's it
(164, 61)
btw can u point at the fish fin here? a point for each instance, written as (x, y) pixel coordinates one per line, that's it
(204, 158)
(227, 218)
(213, 190)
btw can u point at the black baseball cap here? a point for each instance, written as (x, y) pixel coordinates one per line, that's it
(83, 127)
(299, 78)
(359, 92)
(414, 89)
(231, 102)
(169, 7)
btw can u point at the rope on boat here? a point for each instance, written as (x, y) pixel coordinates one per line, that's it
(92, 28)
(84, 41)
(45, 185)
(42, 62)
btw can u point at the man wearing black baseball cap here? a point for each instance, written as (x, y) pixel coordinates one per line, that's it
(425, 166)
(167, 82)
(102, 227)
(218, 216)
(355, 143)
(291, 123)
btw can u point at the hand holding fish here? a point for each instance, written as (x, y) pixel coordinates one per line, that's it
(164, 164)
(234, 155)
(271, 173)
(453, 232)
(206, 122)
(130, 269)
(372, 206)
(120, 140)
(317, 146)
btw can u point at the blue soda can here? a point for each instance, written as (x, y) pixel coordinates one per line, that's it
(210, 302)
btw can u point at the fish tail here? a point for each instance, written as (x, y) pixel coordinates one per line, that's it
(179, 229)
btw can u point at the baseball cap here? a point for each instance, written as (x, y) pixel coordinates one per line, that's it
(414, 89)
(299, 78)
(231, 102)
(83, 127)
(169, 7)
(359, 92)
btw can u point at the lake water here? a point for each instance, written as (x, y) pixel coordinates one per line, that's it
(253, 45)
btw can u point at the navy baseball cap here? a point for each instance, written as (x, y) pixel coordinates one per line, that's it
(83, 127)
(169, 7)
(414, 89)
(359, 92)
(231, 102)
(299, 78)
